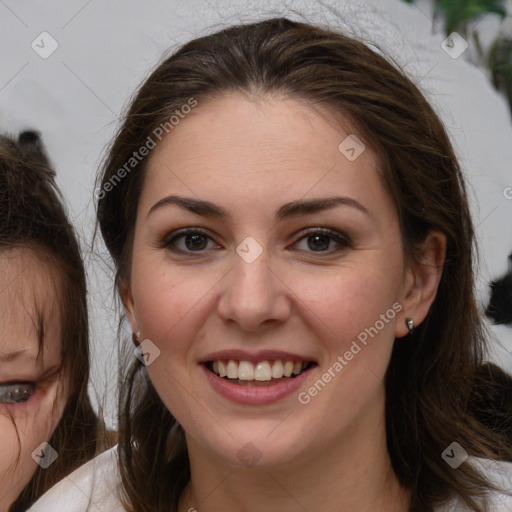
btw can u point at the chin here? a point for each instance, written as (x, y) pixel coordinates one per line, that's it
(258, 447)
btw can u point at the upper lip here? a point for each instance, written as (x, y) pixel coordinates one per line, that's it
(261, 355)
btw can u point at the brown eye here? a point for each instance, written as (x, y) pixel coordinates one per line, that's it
(319, 240)
(194, 240)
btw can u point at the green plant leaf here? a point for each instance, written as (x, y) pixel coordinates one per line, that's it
(459, 12)
(500, 64)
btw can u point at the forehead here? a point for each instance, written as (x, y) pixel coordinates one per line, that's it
(29, 304)
(266, 128)
(266, 150)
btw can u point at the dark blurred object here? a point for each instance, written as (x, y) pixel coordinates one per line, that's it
(500, 62)
(500, 304)
(491, 399)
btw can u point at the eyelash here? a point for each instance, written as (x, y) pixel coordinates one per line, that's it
(342, 240)
(7, 392)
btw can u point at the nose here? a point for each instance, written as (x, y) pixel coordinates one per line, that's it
(253, 295)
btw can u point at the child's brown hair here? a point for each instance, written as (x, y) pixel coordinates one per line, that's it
(32, 217)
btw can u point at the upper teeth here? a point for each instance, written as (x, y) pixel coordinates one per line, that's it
(262, 370)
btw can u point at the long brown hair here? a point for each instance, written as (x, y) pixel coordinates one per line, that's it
(32, 217)
(428, 382)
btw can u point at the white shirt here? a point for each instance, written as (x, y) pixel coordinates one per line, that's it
(90, 488)
(93, 488)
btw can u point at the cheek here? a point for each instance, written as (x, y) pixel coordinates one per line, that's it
(355, 317)
(15, 443)
(164, 299)
(344, 303)
(168, 308)
(16, 466)
(20, 435)
(172, 304)
(29, 423)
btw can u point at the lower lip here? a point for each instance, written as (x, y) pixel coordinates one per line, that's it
(255, 395)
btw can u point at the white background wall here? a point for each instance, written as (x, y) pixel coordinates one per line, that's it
(106, 48)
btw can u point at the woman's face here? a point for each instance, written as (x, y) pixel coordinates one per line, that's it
(31, 401)
(261, 285)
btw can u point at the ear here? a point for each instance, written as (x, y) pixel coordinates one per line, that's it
(125, 293)
(421, 282)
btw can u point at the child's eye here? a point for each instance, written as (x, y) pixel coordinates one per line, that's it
(16, 393)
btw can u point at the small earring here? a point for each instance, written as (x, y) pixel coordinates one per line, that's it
(137, 335)
(410, 324)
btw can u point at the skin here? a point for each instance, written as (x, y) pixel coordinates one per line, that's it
(251, 157)
(27, 281)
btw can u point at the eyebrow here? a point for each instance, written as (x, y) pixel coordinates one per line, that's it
(25, 354)
(293, 209)
(13, 356)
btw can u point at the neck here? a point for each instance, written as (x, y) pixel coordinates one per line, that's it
(353, 474)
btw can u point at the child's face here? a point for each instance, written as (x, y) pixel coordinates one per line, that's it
(31, 396)
(284, 294)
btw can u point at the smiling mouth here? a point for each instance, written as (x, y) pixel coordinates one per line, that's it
(262, 373)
